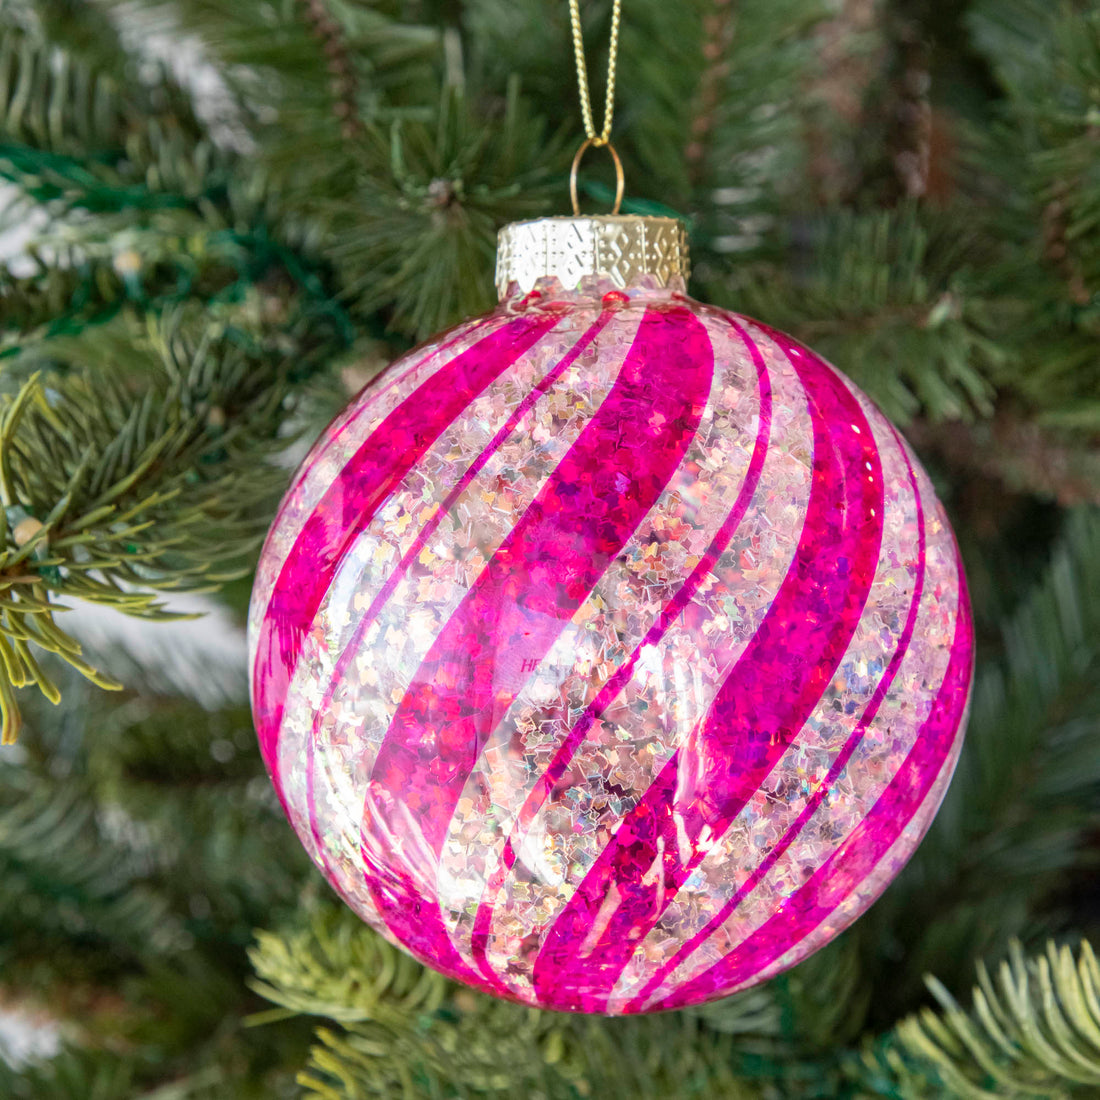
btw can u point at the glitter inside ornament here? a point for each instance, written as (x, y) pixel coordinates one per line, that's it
(610, 652)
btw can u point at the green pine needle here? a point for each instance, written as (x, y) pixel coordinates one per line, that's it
(1033, 1032)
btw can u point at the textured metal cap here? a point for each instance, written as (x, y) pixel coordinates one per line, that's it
(620, 247)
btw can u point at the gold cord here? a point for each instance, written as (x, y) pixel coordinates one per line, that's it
(604, 136)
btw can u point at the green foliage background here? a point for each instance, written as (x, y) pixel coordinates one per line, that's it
(236, 213)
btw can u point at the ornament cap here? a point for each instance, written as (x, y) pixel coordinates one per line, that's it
(623, 248)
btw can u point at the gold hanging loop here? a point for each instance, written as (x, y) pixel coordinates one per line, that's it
(604, 136)
(619, 178)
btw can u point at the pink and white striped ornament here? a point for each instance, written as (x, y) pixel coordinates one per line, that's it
(611, 652)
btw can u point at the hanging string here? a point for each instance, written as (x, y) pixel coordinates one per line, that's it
(603, 138)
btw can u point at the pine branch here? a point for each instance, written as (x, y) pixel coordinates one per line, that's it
(75, 137)
(338, 969)
(1029, 173)
(1024, 455)
(1047, 58)
(135, 843)
(144, 206)
(94, 1073)
(152, 273)
(888, 298)
(746, 157)
(78, 28)
(201, 656)
(419, 237)
(843, 91)
(750, 164)
(152, 484)
(344, 85)
(74, 1074)
(317, 63)
(65, 878)
(191, 782)
(719, 26)
(1033, 1032)
(52, 101)
(407, 1032)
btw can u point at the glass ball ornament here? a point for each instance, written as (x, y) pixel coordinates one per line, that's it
(611, 651)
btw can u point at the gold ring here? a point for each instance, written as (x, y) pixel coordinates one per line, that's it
(577, 163)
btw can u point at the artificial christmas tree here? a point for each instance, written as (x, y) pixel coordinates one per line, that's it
(226, 218)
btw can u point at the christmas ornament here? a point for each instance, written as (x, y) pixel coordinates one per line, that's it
(611, 651)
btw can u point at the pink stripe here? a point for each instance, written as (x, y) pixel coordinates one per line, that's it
(307, 481)
(834, 772)
(351, 649)
(364, 483)
(615, 684)
(854, 860)
(800, 643)
(541, 574)
(377, 388)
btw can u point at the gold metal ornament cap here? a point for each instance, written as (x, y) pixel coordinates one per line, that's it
(624, 248)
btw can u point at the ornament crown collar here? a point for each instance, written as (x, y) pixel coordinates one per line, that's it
(623, 248)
